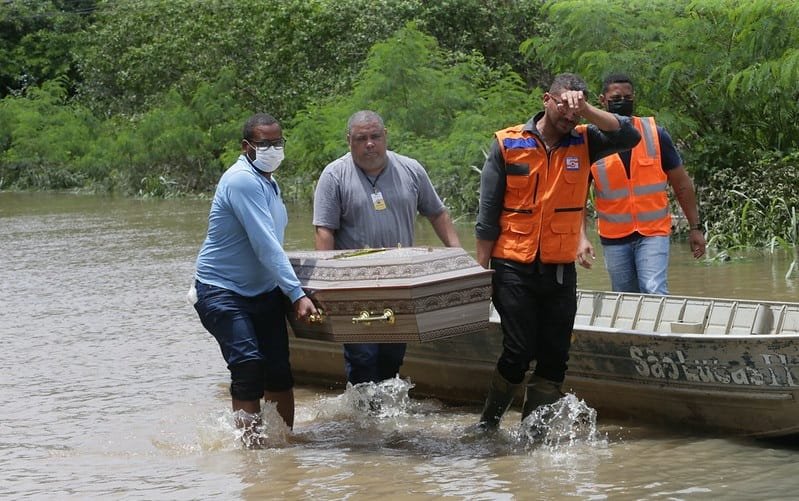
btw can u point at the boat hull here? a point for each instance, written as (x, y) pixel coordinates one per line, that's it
(730, 384)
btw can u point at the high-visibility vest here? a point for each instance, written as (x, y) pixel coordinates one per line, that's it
(544, 196)
(638, 203)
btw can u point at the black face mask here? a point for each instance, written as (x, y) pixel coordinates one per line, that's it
(621, 107)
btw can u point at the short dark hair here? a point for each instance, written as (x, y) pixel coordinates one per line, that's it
(568, 81)
(614, 78)
(255, 121)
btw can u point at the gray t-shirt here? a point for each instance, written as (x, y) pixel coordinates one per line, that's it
(343, 202)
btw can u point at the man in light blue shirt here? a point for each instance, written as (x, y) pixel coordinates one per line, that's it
(244, 277)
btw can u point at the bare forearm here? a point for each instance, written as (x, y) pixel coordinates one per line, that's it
(585, 250)
(686, 196)
(484, 249)
(687, 200)
(442, 225)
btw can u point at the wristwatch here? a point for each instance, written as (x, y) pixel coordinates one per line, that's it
(697, 226)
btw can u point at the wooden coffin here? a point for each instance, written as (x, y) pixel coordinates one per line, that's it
(392, 295)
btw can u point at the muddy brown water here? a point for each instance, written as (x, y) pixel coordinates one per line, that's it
(111, 389)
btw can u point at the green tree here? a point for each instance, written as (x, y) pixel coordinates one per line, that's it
(181, 145)
(718, 73)
(721, 75)
(41, 137)
(282, 53)
(407, 78)
(753, 212)
(493, 28)
(37, 38)
(437, 108)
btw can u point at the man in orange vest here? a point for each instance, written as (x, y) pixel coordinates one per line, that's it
(632, 202)
(529, 230)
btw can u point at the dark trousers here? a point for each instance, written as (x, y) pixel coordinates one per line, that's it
(537, 304)
(248, 329)
(372, 362)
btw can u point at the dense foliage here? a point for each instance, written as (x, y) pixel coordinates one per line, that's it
(435, 109)
(753, 212)
(722, 76)
(147, 97)
(37, 38)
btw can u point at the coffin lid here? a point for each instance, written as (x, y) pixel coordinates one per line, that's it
(383, 267)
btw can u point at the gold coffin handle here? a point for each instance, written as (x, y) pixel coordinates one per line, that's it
(317, 318)
(367, 318)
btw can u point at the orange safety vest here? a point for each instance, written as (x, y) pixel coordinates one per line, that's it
(640, 203)
(544, 196)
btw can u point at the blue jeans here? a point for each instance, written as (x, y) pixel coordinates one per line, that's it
(639, 266)
(249, 329)
(372, 362)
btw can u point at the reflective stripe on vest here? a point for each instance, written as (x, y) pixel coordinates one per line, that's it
(602, 176)
(638, 203)
(649, 136)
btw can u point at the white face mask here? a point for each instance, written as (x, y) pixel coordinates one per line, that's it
(268, 159)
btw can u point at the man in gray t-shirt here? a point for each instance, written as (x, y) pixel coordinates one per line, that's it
(369, 198)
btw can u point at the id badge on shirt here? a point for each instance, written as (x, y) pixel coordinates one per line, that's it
(377, 201)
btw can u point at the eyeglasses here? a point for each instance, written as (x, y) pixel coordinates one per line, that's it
(618, 99)
(268, 143)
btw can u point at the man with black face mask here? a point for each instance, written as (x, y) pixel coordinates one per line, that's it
(632, 202)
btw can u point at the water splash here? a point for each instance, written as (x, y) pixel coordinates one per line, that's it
(382, 416)
(560, 424)
(235, 430)
(371, 401)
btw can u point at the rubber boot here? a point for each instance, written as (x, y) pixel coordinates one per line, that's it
(540, 392)
(500, 396)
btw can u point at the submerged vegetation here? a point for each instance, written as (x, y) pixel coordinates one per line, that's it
(139, 98)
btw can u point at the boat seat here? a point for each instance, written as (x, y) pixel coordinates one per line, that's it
(627, 311)
(671, 311)
(649, 312)
(605, 307)
(585, 308)
(720, 318)
(764, 320)
(695, 315)
(789, 320)
(743, 318)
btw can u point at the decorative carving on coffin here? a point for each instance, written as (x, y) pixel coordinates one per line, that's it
(428, 303)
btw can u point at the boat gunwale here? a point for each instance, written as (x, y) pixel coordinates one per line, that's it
(588, 329)
(595, 302)
(698, 298)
